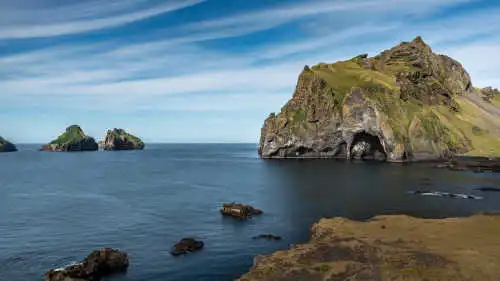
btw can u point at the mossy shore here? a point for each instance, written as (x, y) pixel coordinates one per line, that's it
(392, 248)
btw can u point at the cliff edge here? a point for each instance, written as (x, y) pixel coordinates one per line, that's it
(393, 248)
(405, 104)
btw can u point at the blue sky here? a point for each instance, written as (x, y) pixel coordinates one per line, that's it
(204, 70)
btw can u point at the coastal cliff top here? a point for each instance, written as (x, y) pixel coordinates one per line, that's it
(390, 248)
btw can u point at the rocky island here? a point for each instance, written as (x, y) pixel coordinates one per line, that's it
(73, 139)
(119, 139)
(6, 146)
(394, 248)
(405, 104)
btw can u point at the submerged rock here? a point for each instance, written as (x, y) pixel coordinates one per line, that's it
(445, 194)
(239, 211)
(119, 139)
(401, 105)
(73, 139)
(396, 248)
(267, 236)
(185, 246)
(95, 266)
(6, 146)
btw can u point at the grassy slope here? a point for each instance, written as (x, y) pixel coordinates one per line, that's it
(72, 133)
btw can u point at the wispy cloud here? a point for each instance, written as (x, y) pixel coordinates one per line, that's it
(69, 23)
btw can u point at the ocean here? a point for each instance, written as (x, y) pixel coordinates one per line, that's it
(55, 208)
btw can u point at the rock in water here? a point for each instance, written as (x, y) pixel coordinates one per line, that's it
(6, 146)
(267, 236)
(94, 267)
(74, 139)
(239, 211)
(404, 104)
(185, 246)
(119, 139)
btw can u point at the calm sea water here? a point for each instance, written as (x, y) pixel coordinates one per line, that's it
(57, 207)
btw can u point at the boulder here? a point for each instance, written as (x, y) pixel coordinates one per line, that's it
(239, 211)
(95, 266)
(6, 146)
(186, 246)
(119, 139)
(73, 139)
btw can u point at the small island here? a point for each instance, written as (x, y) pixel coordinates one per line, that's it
(73, 139)
(6, 146)
(119, 139)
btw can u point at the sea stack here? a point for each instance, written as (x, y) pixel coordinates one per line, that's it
(73, 139)
(6, 146)
(405, 104)
(119, 139)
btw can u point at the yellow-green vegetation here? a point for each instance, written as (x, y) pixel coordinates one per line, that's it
(472, 122)
(73, 133)
(394, 248)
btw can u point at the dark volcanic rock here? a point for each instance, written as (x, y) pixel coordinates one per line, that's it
(94, 267)
(6, 146)
(73, 139)
(185, 246)
(119, 139)
(267, 236)
(239, 211)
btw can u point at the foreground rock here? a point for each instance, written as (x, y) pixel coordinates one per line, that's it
(405, 104)
(239, 211)
(73, 139)
(94, 267)
(186, 246)
(119, 139)
(396, 248)
(6, 146)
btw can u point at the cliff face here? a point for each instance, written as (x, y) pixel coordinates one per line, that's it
(73, 139)
(119, 139)
(389, 248)
(405, 104)
(6, 146)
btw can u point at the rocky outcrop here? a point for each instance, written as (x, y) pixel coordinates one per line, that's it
(6, 146)
(401, 105)
(95, 266)
(393, 248)
(119, 139)
(489, 93)
(73, 139)
(239, 211)
(186, 246)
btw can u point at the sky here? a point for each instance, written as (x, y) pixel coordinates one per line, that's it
(204, 70)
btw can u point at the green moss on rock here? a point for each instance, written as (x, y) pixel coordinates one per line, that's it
(119, 139)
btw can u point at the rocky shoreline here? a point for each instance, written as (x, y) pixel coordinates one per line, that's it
(395, 247)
